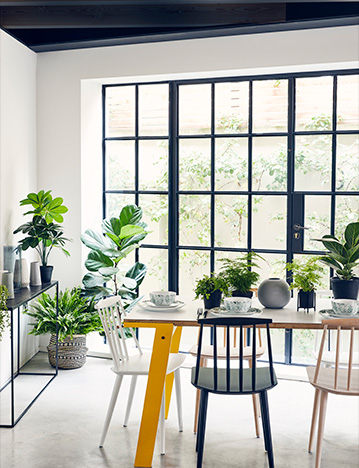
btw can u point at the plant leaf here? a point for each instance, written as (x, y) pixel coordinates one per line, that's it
(351, 234)
(97, 260)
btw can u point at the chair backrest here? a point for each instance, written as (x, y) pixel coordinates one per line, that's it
(241, 324)
(112, 312)
(350, 324)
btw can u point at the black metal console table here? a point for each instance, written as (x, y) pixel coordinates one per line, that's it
(21, 299)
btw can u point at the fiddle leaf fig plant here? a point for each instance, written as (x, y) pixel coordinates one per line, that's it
(342, 255)
(119, 237)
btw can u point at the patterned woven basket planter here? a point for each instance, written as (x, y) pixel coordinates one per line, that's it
(71, 352)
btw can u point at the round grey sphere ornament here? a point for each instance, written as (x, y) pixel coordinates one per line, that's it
(274, 293)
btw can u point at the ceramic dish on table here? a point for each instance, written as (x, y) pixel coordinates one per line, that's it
(148, 305)
(329, 313)
(253, 311)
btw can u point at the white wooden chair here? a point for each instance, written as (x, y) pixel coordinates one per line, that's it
(340, 379)
(207, 354)
(112, 312)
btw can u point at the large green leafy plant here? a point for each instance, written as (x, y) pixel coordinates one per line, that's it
(42, 232)
(119, 237)
(77, 315)
(342, 255)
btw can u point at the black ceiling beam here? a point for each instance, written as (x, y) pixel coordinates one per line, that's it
(149, 15)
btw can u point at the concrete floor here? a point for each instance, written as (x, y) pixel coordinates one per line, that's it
(63, 428)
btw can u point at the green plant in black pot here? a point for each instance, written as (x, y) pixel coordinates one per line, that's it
(343, 257)
(4, 313)
(239, 274)
(307, 275)
(210, 289)
(76, 318)
(43, 233)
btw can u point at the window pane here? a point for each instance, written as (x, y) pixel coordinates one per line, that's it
(156, 277)
(231, 164)
(317, 218)
(304, 346)
(120, 165)
(155, 214)
(193, 264)
(194, 109)
(313, 162)
(120, 111)
(270, 106)
(348, 102)
(269, 222)
(194, 220)
(346, 211)
(153, 164)
(195, 164)
(347, 174)
(153, 109)
(231, 221)
(272, 266)
(314, 103)
(269, 164)
(231, 107)
(116, 201)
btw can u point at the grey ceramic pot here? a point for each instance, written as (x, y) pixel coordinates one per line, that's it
(274, 293)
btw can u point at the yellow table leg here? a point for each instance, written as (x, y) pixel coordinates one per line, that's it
(152, 404)
(176, 338)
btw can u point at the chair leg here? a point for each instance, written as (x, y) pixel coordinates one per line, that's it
(111, 407)
(322, 413)
(266, 427)
(256, 415)
(162, 424)
(203, 363)
(202, 427)
(179, 399)
(130, 399)
(314, 419)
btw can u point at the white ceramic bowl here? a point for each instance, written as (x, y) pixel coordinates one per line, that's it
(237, 304)
(345, 306)
(163, 298)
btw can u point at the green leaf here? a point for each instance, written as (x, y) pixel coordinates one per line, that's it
(115, 238)
(351, 234)
(137, 272)
(94, 241)
(112, 225)
(130, 230)
(90, 280)
(129, 283)
(108, 271)
(96, 260)
(130, 214)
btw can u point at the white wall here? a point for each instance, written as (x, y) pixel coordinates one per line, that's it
(18, 156)
(68, 138)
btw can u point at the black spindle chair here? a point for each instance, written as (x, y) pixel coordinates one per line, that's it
(229, 380)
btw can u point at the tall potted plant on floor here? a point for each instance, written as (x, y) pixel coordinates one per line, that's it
(307, 276)
(43, 233)
(343, 257)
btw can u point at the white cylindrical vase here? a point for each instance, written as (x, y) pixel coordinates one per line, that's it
(35, 277)
(7, 280)
(21, 273)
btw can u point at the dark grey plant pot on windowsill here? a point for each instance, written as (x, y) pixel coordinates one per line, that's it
(46, 273)
(213, 301)
(344, 289)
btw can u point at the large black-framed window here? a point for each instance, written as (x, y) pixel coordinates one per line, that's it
(230, 165)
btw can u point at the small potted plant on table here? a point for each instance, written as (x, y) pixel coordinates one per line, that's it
(77, 317)
(307, 275)
(239, 275)
(210, 289)
(343, 257)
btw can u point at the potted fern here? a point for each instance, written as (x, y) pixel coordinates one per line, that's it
(307, 276)
(77, 317)
(239, 274)
(4, 314)
(210, 289)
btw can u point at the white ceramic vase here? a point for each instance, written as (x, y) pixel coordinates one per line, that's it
(35, 277)
(21, 273)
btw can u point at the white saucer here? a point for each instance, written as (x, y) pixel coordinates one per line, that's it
(329, 313)
(223, 312)
(148, 305)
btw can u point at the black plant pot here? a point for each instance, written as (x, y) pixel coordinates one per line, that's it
(344, 289)
(240, 294)
(306, 300)
(213, 301)
(46, 273)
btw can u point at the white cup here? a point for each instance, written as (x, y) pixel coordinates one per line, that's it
(163, 298)
(238, 305)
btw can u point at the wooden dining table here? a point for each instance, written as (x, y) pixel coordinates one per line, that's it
(168, 326)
